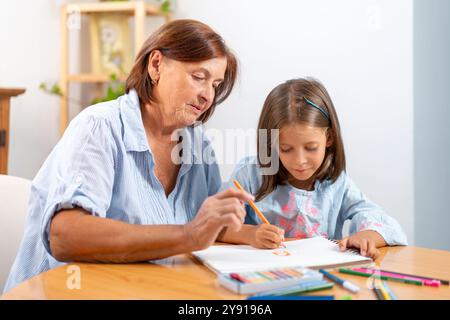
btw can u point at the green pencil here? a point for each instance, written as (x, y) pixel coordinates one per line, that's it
(374, 275)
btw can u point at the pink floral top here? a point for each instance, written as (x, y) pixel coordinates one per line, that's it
(321, 212)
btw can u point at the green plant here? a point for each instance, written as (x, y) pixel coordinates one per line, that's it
(165, 6)
(114, 90)
(54, 89)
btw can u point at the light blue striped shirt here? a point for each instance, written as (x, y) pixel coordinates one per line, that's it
(321, 212)
(104, 165)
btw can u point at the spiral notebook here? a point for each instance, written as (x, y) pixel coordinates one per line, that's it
(313, 253)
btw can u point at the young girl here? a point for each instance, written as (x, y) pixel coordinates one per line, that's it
(310, 194)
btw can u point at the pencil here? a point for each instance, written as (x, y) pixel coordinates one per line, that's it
(364, 274)
(385, 294)
(445, 282)
(252, 204)
(377, 291)
(389, 291)
(290, 298)
(431, 283)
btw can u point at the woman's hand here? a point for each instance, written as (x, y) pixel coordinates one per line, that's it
(224, 209)
(267, 236)
(366, 241)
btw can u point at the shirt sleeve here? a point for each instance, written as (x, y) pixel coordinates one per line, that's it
(242, 173)
(366, 215)
(213, 176)
(80, 171)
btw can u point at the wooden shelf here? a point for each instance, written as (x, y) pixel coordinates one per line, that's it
(5, 95)
(122, 7)
(11, 92)
(93, 78)
(137, 9)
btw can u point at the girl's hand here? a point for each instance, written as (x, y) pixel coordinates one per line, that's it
(366, 241)
(267, 236)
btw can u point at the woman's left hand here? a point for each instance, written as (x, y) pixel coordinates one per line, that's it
(366, 241)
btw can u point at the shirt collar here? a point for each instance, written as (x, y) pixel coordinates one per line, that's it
(134, 137)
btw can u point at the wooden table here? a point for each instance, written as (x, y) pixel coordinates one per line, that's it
(5, 96)
(182, 277)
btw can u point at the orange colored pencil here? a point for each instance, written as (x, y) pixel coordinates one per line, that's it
(252, 204)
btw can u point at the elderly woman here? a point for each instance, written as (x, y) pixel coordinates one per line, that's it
(121, 186)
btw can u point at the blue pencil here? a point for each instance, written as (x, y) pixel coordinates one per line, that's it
(291, 298)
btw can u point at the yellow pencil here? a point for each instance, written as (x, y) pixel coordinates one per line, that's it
(252, 204)
(382, 289)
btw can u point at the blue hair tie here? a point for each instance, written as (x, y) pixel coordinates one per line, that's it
(318, 108)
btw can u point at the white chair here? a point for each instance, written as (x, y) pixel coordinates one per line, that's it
(14, 193)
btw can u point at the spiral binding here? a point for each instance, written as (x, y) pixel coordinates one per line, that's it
(352, 251)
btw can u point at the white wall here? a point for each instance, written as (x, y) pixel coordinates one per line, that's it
(432, 122)
(29, 54)
(360, 49)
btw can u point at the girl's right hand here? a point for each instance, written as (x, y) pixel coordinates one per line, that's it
(267, 236)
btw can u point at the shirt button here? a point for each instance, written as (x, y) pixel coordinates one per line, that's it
(78, 179)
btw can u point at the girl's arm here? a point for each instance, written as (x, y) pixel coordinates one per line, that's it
(263, 236)
(243, 236)
(370, 226)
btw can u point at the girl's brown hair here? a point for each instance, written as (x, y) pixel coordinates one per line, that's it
(187, 41)
(286, 104)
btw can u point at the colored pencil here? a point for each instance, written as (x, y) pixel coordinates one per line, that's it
(239, 278)
(377, 291)
(344, 283)
(252, 204)
(383, 290)
(366, 274)
(291, 298)
(426, 282)
(389, 291)
(446, 282)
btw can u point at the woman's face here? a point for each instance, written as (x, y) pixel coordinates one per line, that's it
(185, 90)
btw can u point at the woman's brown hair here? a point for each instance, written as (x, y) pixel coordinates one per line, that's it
(187, 41)
(287, 104)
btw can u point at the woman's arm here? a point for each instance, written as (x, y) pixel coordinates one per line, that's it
(76, 235)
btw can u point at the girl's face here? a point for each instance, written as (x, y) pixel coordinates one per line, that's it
(302, 150)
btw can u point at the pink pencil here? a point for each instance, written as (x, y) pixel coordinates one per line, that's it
(430, 283)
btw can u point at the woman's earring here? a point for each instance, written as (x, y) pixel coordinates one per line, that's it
(155, 82)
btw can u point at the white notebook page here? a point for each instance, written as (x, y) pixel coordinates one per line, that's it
(312, 253)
